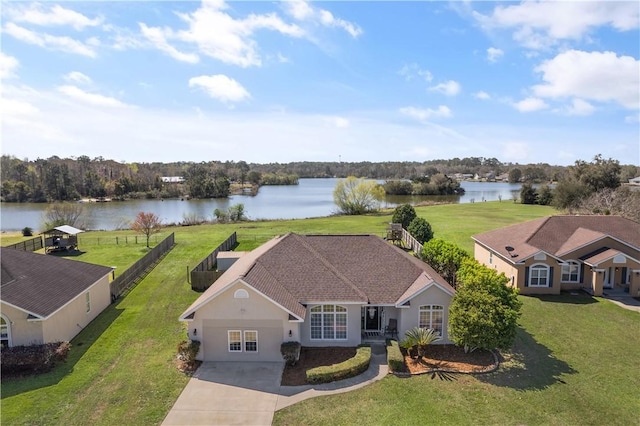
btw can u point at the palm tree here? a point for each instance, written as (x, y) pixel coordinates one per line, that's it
(419, 338)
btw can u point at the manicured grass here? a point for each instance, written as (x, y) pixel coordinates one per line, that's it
(120, 369)
(575, 362)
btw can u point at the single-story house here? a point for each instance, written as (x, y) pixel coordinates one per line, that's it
(47, 299)
(547, 255)
(319, 290)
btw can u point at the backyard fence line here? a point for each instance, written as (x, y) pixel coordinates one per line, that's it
(138, 269)
(204, 274)
(118, 240)
(32, 244)
(409, 241)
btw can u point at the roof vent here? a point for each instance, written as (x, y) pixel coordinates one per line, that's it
(510, 250)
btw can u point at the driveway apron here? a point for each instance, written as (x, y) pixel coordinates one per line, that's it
(229, 393)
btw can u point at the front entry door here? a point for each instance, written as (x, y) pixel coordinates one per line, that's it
(607, 282)
(372, 318)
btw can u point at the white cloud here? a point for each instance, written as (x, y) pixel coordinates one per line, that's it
(493, 54)
(482, 95)
(411, 71)
(580, 107)
(530, 105)
(302, 10)
(341, 122)
(93, 99)
(47, 41)
(220, 87)
(8, 66)
(449, 88)
(423, 114)
(540, 24)
(77, 77)
(632, 119)
(516, 152)
(218, 35)
(158, 38)
(597, 76)
(56, 16)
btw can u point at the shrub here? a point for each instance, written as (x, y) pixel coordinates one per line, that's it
(187, 350)
(349, 368)
(395, 359)
(404, 214)
(27, 232)
(421, 230)
(33, 358)
(290, 352)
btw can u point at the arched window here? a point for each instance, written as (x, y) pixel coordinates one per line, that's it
(432, 316)
(328, 322)
(5, 332)
(241, 294)
(539, 275)
(571, 272)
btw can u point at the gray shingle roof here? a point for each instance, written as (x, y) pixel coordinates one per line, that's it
(41, 284)
(559, 235)
(298, 269)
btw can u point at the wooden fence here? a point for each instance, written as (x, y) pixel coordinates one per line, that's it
(117, 240)
(203, 275)
(129, 277)
(28, 245)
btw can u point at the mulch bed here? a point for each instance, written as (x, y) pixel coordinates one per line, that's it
(450, 358)
(314, 357)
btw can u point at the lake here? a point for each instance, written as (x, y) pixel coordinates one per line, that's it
(310, 198)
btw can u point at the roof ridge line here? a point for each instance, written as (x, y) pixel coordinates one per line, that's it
(328, 264)
(533, 234)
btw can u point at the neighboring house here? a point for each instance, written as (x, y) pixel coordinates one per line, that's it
(319, 290)
(551, 254)
(172, 179)
(48, 299)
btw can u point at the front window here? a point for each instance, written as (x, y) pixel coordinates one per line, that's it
(432, 316)
(571, 272)
(251, 341)
(328, 322)
(235, 340)
(4, 332)
(539, 276)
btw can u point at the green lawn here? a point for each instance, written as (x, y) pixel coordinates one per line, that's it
(121, 370)
(575, 362)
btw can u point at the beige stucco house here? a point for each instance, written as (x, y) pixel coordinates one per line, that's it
(319, 290)
(45, 298)
(548, 255)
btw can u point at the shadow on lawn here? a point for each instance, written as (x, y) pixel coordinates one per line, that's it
(529, 366)
(79, 346)
(575, 298)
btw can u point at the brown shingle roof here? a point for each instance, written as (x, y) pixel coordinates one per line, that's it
(297, 269)
(42, 284)
(558, 235)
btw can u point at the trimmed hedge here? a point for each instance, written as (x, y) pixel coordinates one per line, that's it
(395, 359)
(290, 352)
(349, 368)
(34, 358)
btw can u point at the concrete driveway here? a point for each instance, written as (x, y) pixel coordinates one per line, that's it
(229, 393)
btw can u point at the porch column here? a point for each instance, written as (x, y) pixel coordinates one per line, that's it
(596, 281)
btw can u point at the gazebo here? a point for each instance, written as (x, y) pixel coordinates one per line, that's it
(60, 238)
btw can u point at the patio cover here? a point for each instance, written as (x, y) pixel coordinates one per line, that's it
(65, 229)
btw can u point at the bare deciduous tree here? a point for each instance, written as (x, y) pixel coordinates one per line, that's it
(146, 224)
(72, 214)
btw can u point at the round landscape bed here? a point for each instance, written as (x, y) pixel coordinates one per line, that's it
(451, 359)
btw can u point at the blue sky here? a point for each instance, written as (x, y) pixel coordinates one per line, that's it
(526, 82)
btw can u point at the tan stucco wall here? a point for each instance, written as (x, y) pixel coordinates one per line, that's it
(253, 313)
(482, 255)
(634, 286)
(72, 318)
(22, 332)
(410, 317)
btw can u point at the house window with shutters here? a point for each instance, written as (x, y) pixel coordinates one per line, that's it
(539, 275)
(571, 272)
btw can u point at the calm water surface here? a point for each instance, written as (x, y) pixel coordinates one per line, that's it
(311, 198)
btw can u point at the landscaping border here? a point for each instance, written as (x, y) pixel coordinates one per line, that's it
(490, 369)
